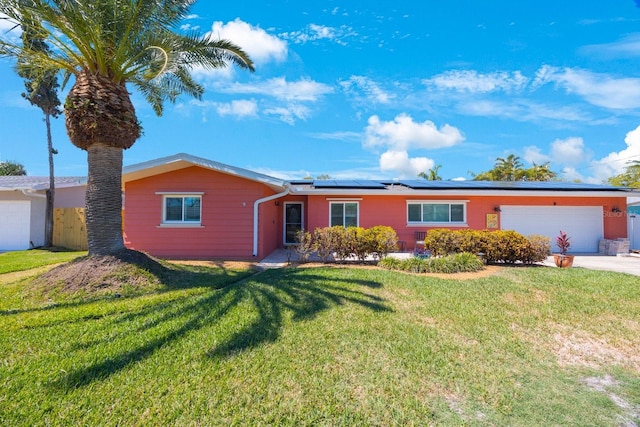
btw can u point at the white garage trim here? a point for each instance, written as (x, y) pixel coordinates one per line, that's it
(584, 224)
(15, 225)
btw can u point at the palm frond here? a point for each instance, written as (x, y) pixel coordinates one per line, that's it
(125, 40)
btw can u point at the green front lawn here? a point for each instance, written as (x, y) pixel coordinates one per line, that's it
(25, 260)
(328, 346)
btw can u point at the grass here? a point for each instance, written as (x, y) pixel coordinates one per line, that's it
(25, 260)
(328, 346)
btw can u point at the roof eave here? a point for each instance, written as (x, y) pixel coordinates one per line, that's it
(182, 160)
(459, 192)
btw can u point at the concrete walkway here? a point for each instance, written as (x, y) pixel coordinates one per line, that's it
(629, 264)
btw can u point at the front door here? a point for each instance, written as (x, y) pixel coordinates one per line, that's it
(292, 222)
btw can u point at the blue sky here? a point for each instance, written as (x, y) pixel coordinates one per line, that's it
(361, 89)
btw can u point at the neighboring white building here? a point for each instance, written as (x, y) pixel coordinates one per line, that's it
(23, 205)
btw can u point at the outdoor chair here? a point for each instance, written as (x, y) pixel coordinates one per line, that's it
(419, 237)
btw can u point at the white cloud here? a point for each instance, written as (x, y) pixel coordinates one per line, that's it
(238, 108)
(372, 91)
(474, 82)
(615, 163)
(533, 154)
(320, 32)
(596, 88)
(524, 110)
(627, 47)
(570, 151)
(403, 134)
(571, 174)
(279, 88)
(400, 163)
(290, 113)
(572, 155)
(256, 42)
(9, 30)
(189, 27)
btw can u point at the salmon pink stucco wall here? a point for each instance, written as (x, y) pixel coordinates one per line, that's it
(226, 229)
(392, 211)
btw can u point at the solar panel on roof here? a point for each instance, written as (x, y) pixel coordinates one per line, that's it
(504, 185)
(351, 183)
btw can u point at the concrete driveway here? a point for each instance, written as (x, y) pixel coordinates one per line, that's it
(629, 264)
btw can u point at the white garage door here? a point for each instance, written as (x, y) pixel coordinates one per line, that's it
(584, 224)
(15, 219)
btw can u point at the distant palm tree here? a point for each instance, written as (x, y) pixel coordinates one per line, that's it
(541, 172)
(106, 44)
(432, 174)
(629, 178)
(42, 91)
(509, 169)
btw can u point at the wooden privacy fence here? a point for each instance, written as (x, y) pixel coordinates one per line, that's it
(69, 228)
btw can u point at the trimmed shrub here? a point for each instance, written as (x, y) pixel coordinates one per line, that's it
(497, 246)
(454, 263)
(304, 248)
(383, 240)
(350, 242)
(540, 248)
(326, 241)
(506, 246)
(440, 241)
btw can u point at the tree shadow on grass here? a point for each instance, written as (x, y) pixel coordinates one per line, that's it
(302, 295)
(269, 297)
(161, 277)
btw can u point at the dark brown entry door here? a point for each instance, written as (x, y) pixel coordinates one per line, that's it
(292, 222)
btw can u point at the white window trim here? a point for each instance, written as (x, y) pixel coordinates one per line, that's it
(178, 224)
(463, 223)
(342, 202)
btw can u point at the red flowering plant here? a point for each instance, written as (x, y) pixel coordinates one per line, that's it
(563, 243)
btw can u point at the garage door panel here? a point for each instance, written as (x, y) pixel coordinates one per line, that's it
(15, 225)
(584, 224)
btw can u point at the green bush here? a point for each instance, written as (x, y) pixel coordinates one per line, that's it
(505, 246)
(326, 241)
(347, 242)
(497, 246)
(383, 240)
(454, 263)
(540, 248)
(304, 248)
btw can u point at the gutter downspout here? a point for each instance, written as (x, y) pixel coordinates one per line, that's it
(256, 204)
(29, 193)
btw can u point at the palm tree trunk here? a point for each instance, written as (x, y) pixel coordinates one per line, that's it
(104, 200)
(48, 224)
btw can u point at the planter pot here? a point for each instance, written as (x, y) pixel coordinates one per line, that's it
(563, 261)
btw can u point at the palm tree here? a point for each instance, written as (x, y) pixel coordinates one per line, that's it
(42, 91)
(105, 44)
(509, 169)
(432, 174)
(629, 178)
(541, 172)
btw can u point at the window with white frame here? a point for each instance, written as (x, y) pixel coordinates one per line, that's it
(344, 214)
(181, 209)
(437, 212)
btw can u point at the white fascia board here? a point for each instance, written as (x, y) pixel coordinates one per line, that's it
(464, 193)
